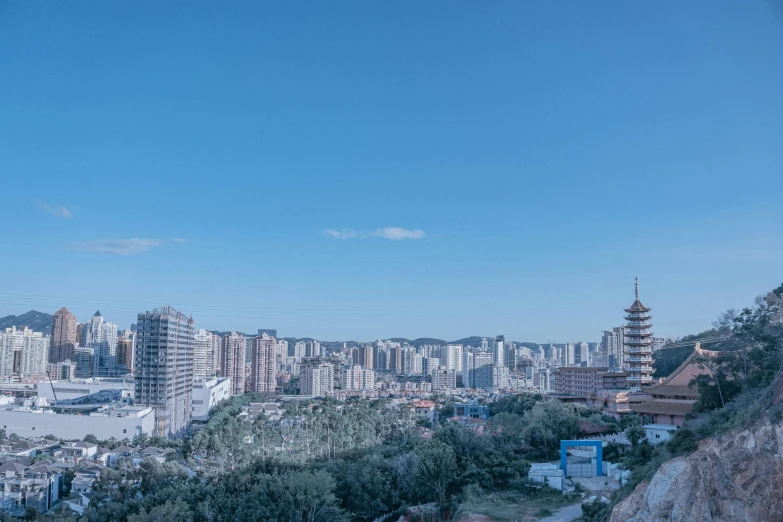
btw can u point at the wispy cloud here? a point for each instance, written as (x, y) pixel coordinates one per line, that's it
(179, 240)
(391, 233)
(57, 211)
(121, 247)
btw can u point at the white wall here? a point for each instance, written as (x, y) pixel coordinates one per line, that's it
(26, 423)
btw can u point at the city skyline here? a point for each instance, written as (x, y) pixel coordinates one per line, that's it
(377, 172)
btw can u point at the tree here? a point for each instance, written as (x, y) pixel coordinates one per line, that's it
(634, 433)
(437, 468)
(92, 439)
(548, 423)
(683, 441)
(505, 429)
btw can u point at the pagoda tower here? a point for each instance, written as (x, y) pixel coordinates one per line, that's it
(638, 341)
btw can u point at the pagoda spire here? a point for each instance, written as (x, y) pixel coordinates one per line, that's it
(637, 288)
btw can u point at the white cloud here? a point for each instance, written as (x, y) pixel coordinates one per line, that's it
(397, 233)
(122, 247)
(341, 234)
(391, 233)
(179, 240)
(57, 211)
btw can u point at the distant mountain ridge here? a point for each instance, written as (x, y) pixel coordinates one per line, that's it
(35, 320)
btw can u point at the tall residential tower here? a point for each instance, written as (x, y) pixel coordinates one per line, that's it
(64, 340)
(164, 368)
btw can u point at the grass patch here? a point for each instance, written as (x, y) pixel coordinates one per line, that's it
(514, 505)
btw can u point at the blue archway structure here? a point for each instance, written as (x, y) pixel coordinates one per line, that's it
(599, 453)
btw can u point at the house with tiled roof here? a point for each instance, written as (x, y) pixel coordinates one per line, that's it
(674, 398)
(37, 486)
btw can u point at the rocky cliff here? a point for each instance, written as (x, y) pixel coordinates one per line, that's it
(735, 477)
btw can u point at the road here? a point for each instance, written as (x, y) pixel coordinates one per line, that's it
(565, 514)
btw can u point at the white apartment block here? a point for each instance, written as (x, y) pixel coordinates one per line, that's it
(316, 380)
(203, 355)
(263, 371)
(23, 355)
(452, 357)
(101, 336)
(356, 378)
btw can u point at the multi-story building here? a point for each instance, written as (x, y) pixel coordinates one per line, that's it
(316, 379)
(511, 356)
(498, 350)
(23, 355)
(233, 364)
(357, 378)
(263, 366)
(395, 359)
(638, 342)
(124, 358)
(271, 332)
(366, 357)
(217, 353)
(443, 379)
(208, 393)
(101, 336)
(202, 355)
(451, 357)
(577, 380)
(64, 337)
(472, 375)
(164, 367)
(581, 354)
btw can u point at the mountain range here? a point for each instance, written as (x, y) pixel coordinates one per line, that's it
(42, 322)
(35, 320)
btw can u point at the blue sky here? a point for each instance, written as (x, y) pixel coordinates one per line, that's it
(360, 170)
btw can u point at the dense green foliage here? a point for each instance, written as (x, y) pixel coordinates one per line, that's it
(667, 360)
(330, 461)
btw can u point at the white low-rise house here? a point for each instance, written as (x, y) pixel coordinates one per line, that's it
(658, 433)
(548, 474)
(84, 478)
(77, 451)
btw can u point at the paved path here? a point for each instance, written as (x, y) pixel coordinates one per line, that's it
(566, 514)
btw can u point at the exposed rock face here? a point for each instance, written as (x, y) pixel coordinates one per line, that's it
(735, 477)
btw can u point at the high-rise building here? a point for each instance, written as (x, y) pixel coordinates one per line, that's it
(395, 359)
(316, 379)
(203, 355)
(498, 350)
(64, 336)
(271, 332)
(408, 359)
(233, 364)
(22, 355)
(217, 354)
(473, 376)
(452, 357)
(581, 351)
(164, 367)
(125, 352)
(511, 356)
(263, 367)
(638, 342)
(101, 336)
(366, 357)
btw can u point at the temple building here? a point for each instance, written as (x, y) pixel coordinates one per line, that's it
(638, 341)
(674, 398)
